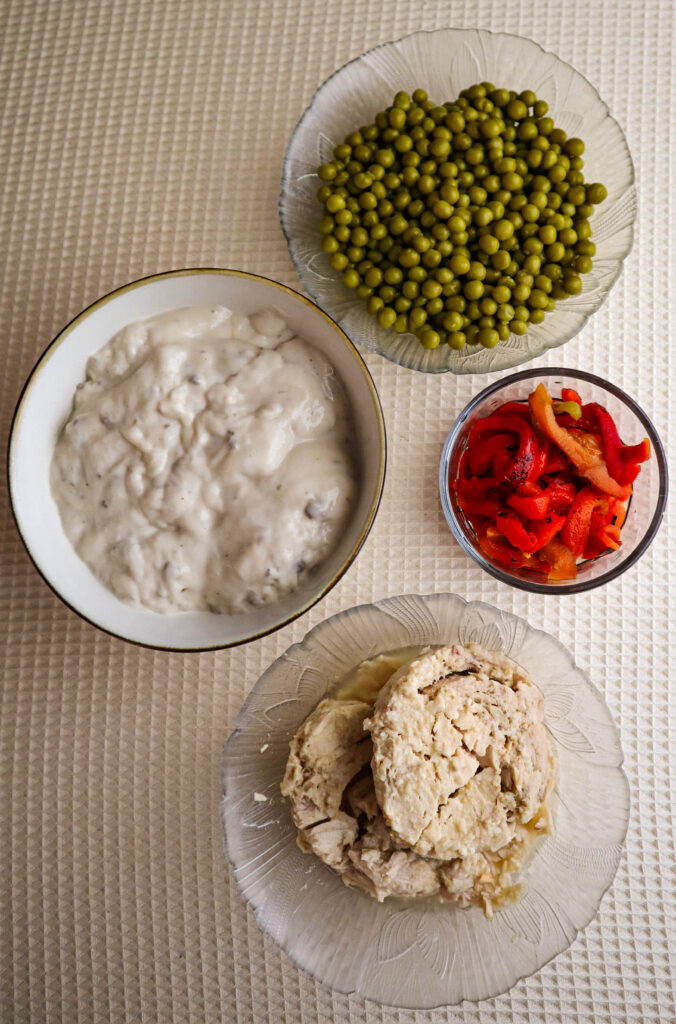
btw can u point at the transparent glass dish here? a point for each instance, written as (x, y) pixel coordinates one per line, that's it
(444, 62)
(648, 500)
(422, 953)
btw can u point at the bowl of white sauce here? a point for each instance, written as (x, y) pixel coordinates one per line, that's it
(196, 459)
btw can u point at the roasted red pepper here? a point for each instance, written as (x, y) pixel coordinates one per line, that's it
(511, 527)
(561, 495)
(525, 461)
(546, 529)
(483, 453)
(534, 506)
(541, 496)
(587, 457)
(623, 461)
(577, 527)
(499, 549)
(561, 560)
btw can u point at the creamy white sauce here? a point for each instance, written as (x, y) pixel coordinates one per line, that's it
(205, 464)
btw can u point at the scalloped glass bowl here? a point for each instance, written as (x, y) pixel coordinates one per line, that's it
(444, 62)
(421, 954)
(648, 501)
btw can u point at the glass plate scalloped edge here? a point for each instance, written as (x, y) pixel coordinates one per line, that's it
(422, 954)
(445, 61)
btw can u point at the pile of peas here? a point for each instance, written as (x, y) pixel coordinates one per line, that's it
(460, 223)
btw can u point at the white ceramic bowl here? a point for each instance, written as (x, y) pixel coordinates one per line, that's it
(444, 62)
(46, 403)
(422, 953)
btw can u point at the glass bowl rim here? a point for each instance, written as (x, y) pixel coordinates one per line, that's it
(657, 452)
(567, 336)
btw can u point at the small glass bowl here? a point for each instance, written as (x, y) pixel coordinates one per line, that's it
(647, 503)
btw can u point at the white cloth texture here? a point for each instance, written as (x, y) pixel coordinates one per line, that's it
(139, 136)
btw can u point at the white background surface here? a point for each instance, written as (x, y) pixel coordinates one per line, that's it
(138, 137)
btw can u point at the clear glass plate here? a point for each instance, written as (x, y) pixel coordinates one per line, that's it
(444, 62)
(421, 954)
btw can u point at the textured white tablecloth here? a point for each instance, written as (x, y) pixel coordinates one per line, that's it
(141, 136)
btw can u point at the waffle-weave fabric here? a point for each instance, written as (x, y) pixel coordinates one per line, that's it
(140, 136)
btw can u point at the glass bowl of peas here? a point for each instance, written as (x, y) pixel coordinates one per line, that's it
(458, 200)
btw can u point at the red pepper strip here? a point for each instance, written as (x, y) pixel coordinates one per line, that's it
(576, 529)
(619, 513)
(528, 490)
(521, 409)
(480, 506)
(483, 452)
(541, 459)
(524, 463)
(566, 421)
(623, 461)
(468, 486)
(546, 529)
(533, 506)
(568, 395)
(606, 521)
(556, 462)
(588, 461)
(497, 548)
(497, 423)
(594, 548)
(561, 495)
(532, 538)
(610, 536)
(511, 527)
(561, 560)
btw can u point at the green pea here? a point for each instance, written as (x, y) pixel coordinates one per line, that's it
(488, 336)
(430, 338)
(586, 248)
(417, 317)
(502, 230)
(573, 147)
(431, 289)
(533, 245)
(501, 259)
(409, 258)
(386, 317)
(431, 258)
(596, 193)
(530, 213)
(573, 284)
(339, 261)
(582, 264)
(473, 290)
(327, 172)
(489, 243)
(459, 264)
